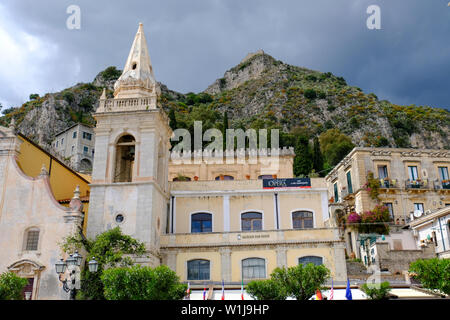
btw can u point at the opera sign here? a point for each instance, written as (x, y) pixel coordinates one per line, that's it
(287, 183)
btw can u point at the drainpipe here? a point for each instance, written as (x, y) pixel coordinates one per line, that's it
(442, 235)
(276, 208)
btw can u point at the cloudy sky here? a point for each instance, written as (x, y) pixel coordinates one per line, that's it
(193, 42)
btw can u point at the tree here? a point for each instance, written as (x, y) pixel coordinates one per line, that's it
(377, 291)
(301, 282)
(266, 290)
(433, 274)
(109, 250)
(335, 146)
(142, 283)
(303, 160)
(11, 286)
(225, 127)
(317, 157)
(172, 119)
(34, 96)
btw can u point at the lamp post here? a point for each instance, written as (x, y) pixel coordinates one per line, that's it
(72, 282)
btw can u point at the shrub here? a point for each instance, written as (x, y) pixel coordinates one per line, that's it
(301, 282)
(68, 96)
(111, 73)
(335, 145)
(34, 96)
(112, 248)
(433, 274)
(377, 291)
(11, 286)
(311, 77)
(142, 283)
(266, 290)
(310, 94)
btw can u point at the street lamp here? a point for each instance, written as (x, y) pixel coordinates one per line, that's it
(93, 265)
(72, 282)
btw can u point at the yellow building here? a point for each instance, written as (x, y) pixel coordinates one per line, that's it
(224, 229)
(408, 181)
(63, 180)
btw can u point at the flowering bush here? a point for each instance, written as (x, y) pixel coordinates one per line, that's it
(375, 221)
(372, 186)
(353, 218)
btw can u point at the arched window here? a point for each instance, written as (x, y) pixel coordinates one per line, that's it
(198, 270)
(201, 222)
(222, 177)
(125, 150)
(181, 178)
(253, 268)
(302, 220)
(310, 259)
(251, 221)
(31, 239)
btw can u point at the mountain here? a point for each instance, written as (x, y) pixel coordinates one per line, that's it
(260, 92)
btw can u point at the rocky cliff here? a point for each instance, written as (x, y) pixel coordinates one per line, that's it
(259, 92)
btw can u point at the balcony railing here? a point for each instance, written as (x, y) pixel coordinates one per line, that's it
(262, 237)
(388, 183)
(442, 185)
(421, 184)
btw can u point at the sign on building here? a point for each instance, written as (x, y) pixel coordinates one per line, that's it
(287, 183)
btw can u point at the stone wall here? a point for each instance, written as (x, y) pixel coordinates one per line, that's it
(397, 261)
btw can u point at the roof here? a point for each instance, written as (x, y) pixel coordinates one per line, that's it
(73, 126)
(53, 158)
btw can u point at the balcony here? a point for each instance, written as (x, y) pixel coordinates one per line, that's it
(417, 185)
(242, 238)
(442, 186)
(388, 185)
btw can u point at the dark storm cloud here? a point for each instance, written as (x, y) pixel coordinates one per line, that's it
(193, 42)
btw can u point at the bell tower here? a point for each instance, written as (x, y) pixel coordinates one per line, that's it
(130, 173)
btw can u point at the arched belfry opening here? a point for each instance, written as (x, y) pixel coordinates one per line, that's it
(125, 154)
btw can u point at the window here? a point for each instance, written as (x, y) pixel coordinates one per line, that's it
(390, 208)
(302, 220)
(412, 172)
(265, 176)
(382, 172)
(198, 270)
(57, 144)
(125, 152)
(87, 136)
(251, 221)
(201, 222)
(349, 182)
(418, 206)
(32, 240)
(443, 173)
(73, 149)
(317, 261)
(253, 268)
(85, 150)
(336, 193)
(74, 135)
(221, 177)
(62, 141)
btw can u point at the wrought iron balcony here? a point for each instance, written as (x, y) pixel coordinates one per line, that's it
(388, 183)
(419, 184)
(442, 185)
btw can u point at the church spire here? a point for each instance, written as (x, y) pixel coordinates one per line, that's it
(137, 79)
